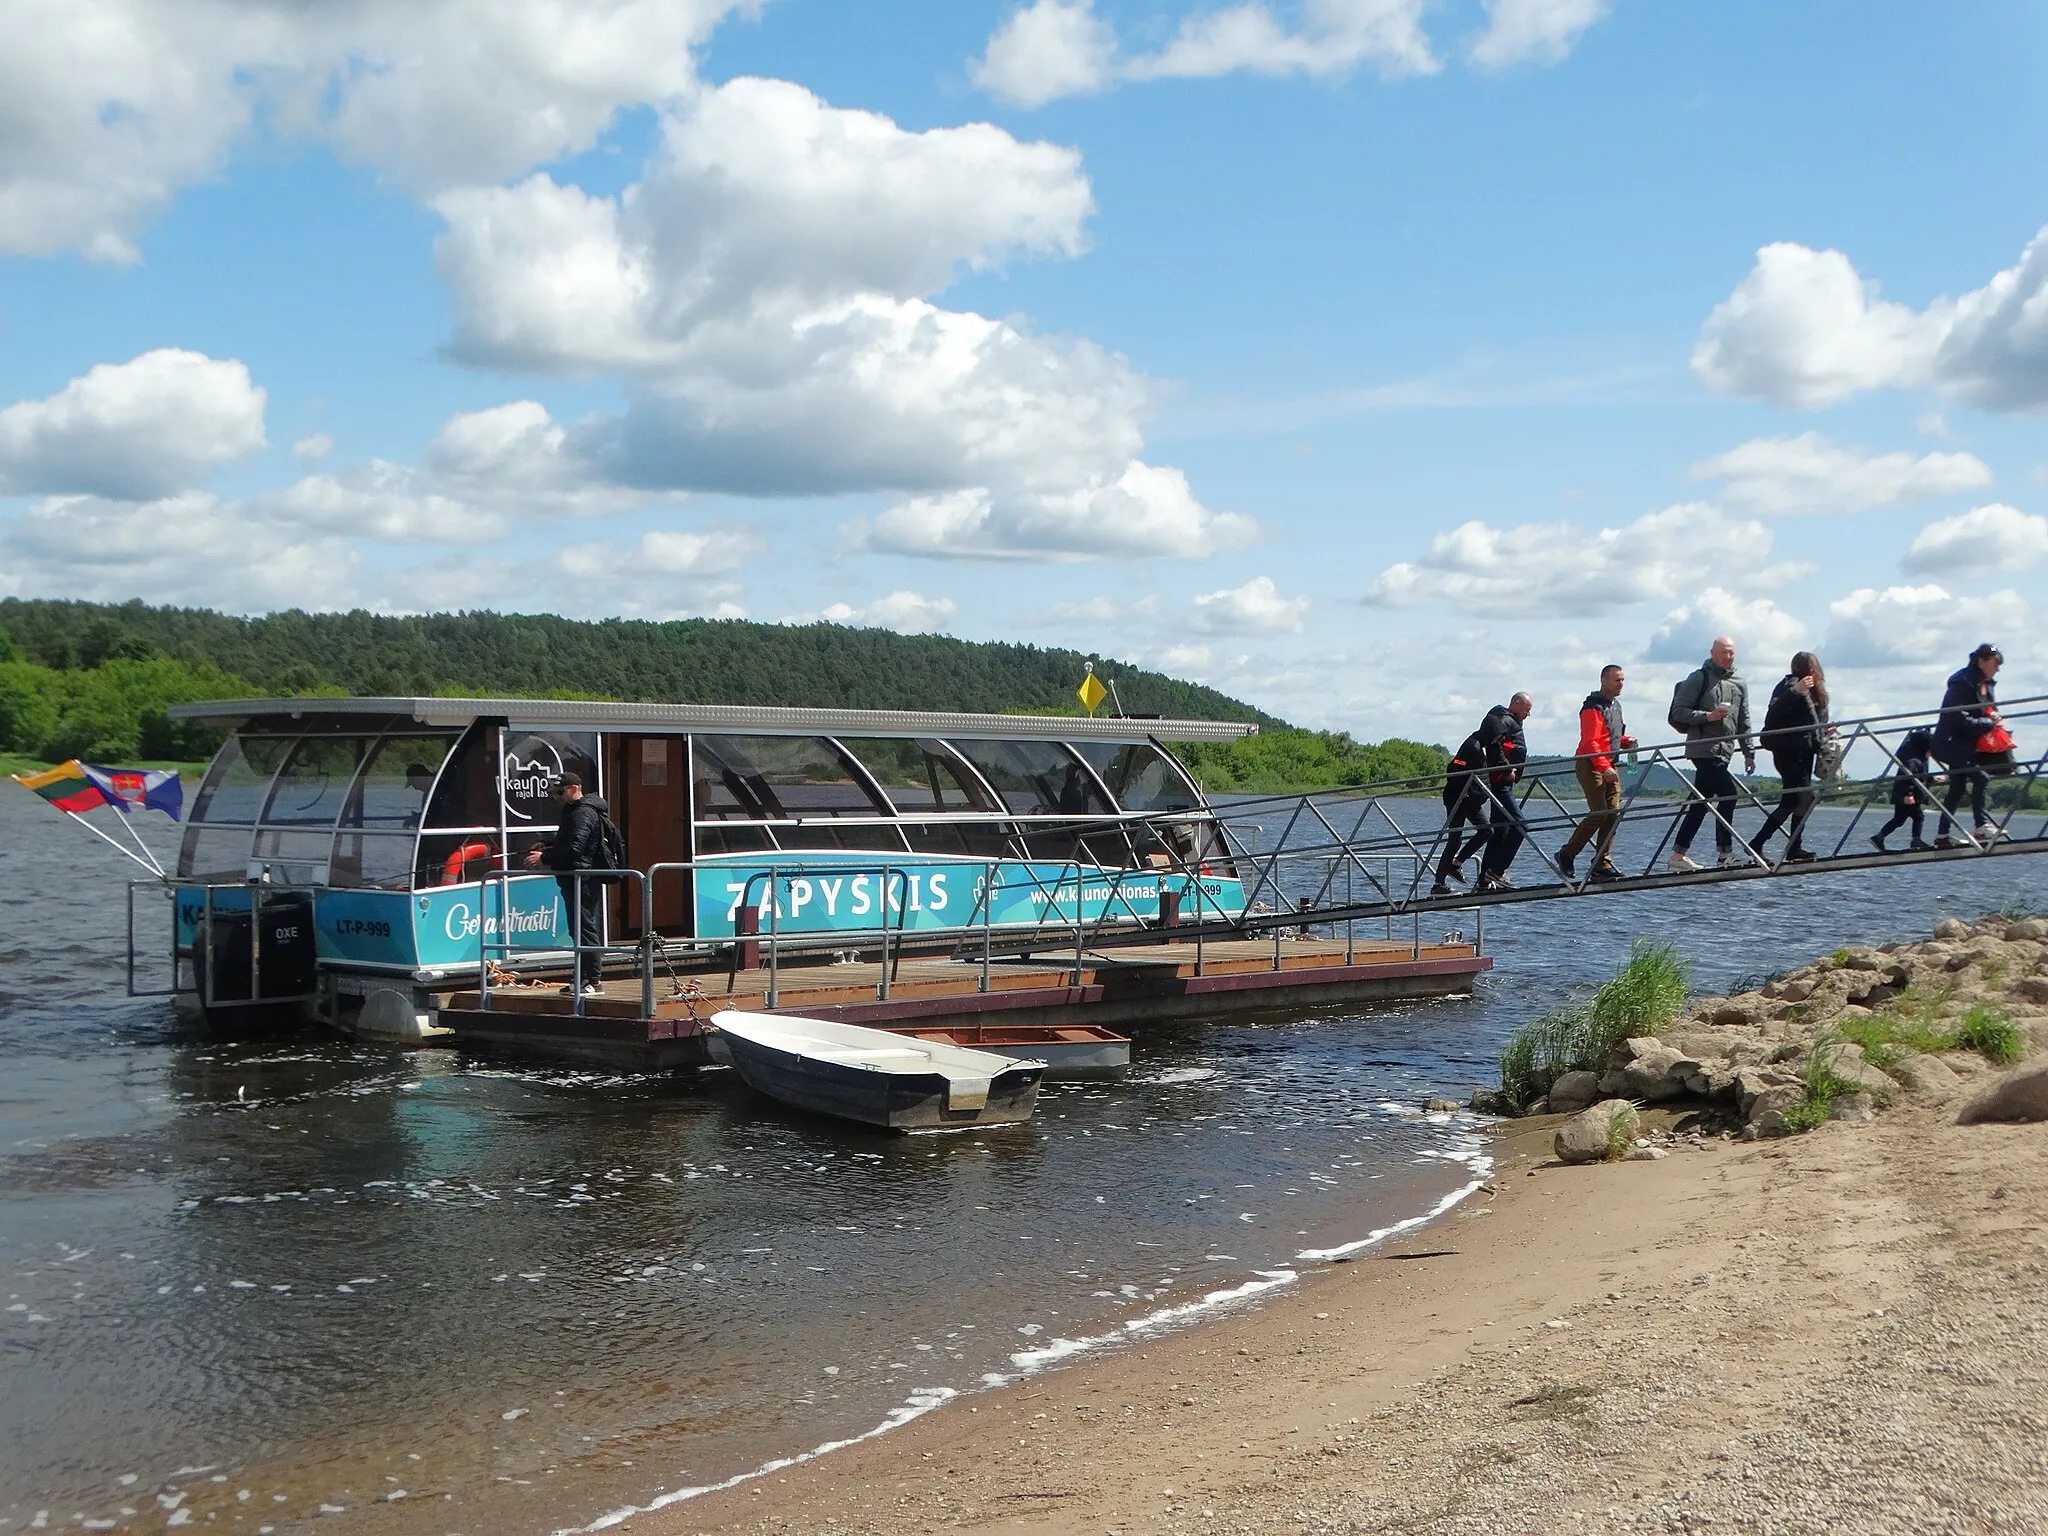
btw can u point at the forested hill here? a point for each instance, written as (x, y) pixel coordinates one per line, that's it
(94, 681)
(695, 661)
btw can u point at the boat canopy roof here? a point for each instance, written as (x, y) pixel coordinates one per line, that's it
(576, 714)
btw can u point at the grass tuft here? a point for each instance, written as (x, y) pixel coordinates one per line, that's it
(1644, 997)
(1990, 1034)
(1912, 1022)
(1839, 958)
(1620, 1135)
(1824, 1082)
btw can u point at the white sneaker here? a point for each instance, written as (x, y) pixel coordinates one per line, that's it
(1731, 860)
(1683, 863)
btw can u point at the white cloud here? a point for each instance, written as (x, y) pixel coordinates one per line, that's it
(1804, 329)
(1914, 625)
(1533, 31)
(483, 471)
(1763, 632)
(662, 553)
(313, 448)
(906, 612)
(1145, 511)
(1255, 608)
(190, 548)
(381, 501)
(765, 290)
(1047, 50)
(1790, 476)
(1984, 541)
(1055, 48)
(762, 209)
(146, 428)
(109, 109)
(1560, 570)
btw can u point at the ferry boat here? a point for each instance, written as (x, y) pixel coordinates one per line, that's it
(359, 859)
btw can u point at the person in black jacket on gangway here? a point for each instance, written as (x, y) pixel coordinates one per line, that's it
(1795, 726)
(1968, 709)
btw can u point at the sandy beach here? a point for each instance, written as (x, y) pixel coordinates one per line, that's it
(1839, 1331)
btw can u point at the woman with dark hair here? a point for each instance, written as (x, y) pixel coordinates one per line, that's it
(1795, 726)
(1968, 709)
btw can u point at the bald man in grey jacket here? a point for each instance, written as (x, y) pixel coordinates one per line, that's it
(1712, 707)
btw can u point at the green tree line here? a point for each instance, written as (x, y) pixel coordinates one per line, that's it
(93, 680)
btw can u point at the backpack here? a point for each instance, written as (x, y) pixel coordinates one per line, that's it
(613, 841)
(1678, 702)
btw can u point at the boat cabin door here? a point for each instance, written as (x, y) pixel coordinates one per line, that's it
(652, 805)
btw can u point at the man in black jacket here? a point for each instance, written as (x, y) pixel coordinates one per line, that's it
(1479, 790)
(578, 843)
(1500, 738)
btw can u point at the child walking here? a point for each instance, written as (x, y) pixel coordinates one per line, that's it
(1910, 791)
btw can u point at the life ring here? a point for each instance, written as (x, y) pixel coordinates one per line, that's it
(456, 869)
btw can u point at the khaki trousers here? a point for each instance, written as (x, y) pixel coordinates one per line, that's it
(1603, 798)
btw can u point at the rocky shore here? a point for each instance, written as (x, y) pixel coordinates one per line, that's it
(1843, 1038)
(1796, 1335)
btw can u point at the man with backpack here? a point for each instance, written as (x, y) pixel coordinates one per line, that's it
(585, 838)
(1712, 708)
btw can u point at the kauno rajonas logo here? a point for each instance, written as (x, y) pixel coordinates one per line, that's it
(527, 778)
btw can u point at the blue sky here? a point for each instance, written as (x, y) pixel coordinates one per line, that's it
(1366, 358)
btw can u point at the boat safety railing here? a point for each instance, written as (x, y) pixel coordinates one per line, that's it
(163, 891)
(585, 960)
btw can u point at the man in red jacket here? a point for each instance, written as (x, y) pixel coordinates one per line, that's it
(1603, 737)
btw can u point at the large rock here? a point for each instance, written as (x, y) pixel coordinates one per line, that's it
(2027, 929)
(1712, 1081)
(1758, 1090)
(1951, 928)
(1653, 1070)
(1727, 1011)
(2033, 989)
(2022, 1095)
(1852, 1107)
(1573, 1092)
(1594, 1135)
(1928, 1076)
(1850, 1066)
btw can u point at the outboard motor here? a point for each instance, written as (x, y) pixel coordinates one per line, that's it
(284, 969)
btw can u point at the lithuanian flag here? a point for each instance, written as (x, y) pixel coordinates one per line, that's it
(65, 786)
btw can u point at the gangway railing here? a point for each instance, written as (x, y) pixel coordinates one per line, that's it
(1375, 836)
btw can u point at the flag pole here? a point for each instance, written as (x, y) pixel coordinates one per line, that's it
(128, 826)
(145, 863)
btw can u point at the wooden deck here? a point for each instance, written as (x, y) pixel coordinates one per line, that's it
(1117, 988)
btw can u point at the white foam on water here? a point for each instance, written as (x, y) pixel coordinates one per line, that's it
(1470, 1151)
(916, 1406)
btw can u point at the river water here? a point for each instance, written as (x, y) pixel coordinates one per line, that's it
(310, 1282)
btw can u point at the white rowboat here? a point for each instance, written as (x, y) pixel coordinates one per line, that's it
(874, 1077)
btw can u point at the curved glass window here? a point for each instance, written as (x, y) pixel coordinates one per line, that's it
(239, 778)
(1037, 778)
(1140, 776)
(920, 776)
(214, 853)
(372, 861)
(777, 778)
(392, 792)
(314, 784)
(467, 795)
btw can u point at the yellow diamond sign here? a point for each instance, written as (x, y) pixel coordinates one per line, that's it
(1091, 692)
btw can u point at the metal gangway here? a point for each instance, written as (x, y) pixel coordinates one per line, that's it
(1336, 858)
